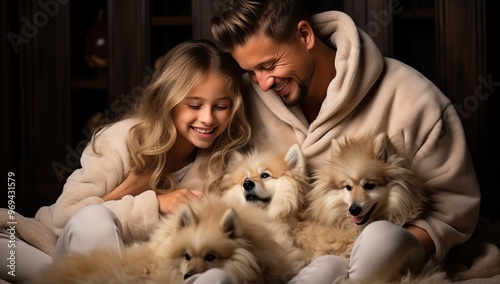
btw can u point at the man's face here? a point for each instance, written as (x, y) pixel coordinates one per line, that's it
(285, 68)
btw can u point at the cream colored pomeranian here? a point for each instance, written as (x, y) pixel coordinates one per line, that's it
(207, 233)
(276, 182)
(367, 178)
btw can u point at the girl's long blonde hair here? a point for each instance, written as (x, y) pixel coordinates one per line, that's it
(151, 139)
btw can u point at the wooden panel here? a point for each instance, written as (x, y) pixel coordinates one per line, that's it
(8, 105)
(202, 12)
(44, 100)
(374, 17)
(128, 35)
(461, 62)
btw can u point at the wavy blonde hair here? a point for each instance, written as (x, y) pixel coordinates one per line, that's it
(151, 139)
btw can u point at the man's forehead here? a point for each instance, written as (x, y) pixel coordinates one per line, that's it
(258, 50)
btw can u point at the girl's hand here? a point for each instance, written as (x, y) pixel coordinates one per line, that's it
(133, 185)
(172, 200)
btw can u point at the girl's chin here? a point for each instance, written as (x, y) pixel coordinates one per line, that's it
(203, 145)
(204, 142)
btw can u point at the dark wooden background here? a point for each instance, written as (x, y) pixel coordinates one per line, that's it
(49, 93)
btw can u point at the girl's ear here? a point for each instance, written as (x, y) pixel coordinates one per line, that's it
(306, 33)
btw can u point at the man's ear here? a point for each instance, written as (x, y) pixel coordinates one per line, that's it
(306, 33)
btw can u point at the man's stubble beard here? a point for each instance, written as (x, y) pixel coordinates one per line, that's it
(302, 92)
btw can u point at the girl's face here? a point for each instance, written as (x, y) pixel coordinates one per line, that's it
(204, 113)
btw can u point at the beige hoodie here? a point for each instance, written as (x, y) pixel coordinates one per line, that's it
(371, 93)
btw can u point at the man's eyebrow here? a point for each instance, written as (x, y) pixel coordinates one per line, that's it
(260, 64)
(264, 63)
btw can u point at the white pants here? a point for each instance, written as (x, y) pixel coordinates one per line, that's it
(91, 227)
(381, 251)
(27, 259)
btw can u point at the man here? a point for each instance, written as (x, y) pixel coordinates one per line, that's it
(313, 79)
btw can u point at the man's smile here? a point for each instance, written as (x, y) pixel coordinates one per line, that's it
(281, 85)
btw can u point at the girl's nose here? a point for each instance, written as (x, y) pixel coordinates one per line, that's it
(206, 116)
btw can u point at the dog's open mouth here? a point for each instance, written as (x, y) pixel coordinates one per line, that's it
(250, 197)
(362, 219)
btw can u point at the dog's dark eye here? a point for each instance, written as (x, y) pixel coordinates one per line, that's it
(369, 186)
(348, 187)
(264, 175)
(210, 257)
(187, 256)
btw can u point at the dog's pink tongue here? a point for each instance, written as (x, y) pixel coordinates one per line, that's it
(357, 219)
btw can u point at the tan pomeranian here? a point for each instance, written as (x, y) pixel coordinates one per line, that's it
(276, 182)
(207, 233)
(367, 178)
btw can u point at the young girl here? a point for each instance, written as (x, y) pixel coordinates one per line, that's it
(173, 145)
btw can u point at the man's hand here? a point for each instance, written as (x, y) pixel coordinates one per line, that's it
(424, 239)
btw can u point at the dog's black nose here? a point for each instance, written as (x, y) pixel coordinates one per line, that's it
(248, 184)
(189, 274)
(355, 209)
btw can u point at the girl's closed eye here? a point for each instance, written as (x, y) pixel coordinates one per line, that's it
(222, 106)
(193, 103)
(192, 106)
(217, 107)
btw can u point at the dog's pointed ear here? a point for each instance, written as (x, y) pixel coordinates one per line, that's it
(294, 158)
(187, 217)
(383, 147)
(335, 148)
(230, 224)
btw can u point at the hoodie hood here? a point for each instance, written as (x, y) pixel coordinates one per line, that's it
(358, 64)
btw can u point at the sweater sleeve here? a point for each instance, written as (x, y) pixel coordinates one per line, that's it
(102, 170)
(451, 184)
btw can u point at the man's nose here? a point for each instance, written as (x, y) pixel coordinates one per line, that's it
(264, 80)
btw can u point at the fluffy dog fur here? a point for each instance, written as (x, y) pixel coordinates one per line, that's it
(367, 178)
(279, 184)
(201, 235)
(276, 182)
